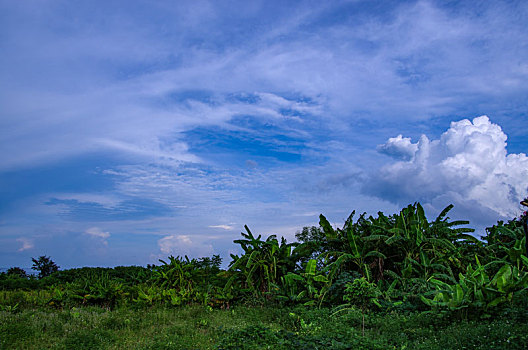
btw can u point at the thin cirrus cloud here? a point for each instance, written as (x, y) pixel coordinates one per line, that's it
(223, 227)
(405, 63)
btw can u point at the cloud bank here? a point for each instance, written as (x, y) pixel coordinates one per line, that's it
(468, 166)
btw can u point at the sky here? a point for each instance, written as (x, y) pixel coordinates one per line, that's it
(135, 130)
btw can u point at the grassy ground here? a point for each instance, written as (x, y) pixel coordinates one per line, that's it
(249, 328)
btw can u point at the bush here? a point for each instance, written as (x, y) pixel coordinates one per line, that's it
(17, 272)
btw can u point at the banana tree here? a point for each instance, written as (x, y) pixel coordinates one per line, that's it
(356, 244)
(506, 243)
(524, 219)
(508, 282)
(470, 291)
(177, 273)
(262, 264)
(148, 295)
(309, 287)
(317, 283)
(421, 249)
(290, 289)
(475, 289)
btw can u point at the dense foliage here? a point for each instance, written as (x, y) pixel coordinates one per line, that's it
(402, 263)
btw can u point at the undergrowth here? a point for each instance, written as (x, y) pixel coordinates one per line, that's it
(198, 327)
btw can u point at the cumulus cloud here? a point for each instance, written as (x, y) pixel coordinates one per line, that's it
(96, 232)
(26, 244)
(185, 245)
(399, 147)
(468, 166)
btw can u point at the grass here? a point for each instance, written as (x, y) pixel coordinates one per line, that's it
(196, 327)
(97, 328)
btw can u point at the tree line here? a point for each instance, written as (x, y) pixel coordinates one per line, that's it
(398, 262)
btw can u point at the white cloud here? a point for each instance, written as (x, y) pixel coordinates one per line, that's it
(468, 166)
(185, 245)
(26, 244)
(423, 61)
(399, 147)
(105, 200)
(96, 232)
(176, 152)
(223, 227)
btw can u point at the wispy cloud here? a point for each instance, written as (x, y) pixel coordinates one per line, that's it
(27, 244)
(108, 201)
(223, 227)
(425, 61)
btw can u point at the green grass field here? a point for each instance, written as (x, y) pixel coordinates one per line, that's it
(197, 327)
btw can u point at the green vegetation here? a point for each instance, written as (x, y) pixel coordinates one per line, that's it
(384, 282)
(241, 327)
(44, 265)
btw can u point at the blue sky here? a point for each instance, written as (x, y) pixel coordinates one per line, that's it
(132, 130)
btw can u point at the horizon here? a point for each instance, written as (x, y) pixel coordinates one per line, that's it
(132, 131)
